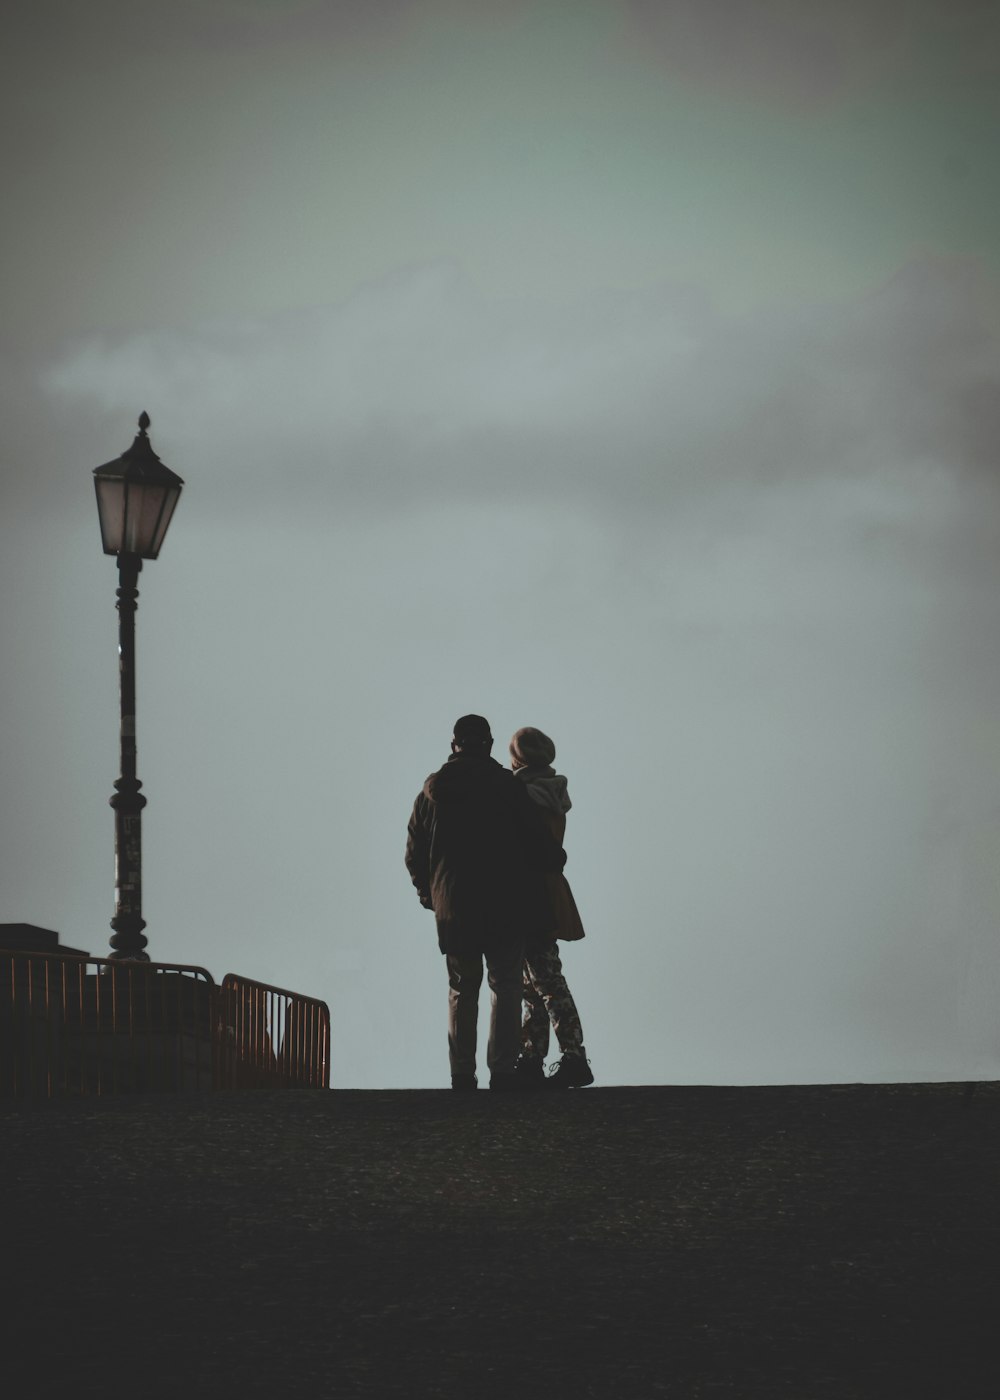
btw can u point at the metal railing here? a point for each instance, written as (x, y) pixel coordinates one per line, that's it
(75, 1025)
(270, 1037)
(71, 1025)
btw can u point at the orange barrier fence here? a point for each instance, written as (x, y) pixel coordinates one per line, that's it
(270, 1037)
(71, 1025)
(77, 1025)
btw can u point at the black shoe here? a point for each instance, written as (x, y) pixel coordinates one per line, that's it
(464, 1081)
(530, 1071)
(570, 1072)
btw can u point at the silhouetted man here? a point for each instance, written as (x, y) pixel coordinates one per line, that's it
(477, 851)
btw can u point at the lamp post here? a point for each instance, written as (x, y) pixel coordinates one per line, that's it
(136, 496)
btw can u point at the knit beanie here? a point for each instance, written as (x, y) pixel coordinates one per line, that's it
(530, 748)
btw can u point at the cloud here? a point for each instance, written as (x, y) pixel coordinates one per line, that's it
(416, 390)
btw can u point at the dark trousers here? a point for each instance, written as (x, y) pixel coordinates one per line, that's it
(504, 975)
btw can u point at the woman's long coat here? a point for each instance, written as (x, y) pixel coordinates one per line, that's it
(568, 924)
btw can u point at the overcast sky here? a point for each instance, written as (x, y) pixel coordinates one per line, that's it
(626, 368)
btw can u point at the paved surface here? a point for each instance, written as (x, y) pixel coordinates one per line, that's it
(833, 1242)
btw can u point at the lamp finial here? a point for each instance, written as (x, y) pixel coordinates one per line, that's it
(144, 420)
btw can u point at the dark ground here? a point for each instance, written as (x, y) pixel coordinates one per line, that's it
(808, 1242)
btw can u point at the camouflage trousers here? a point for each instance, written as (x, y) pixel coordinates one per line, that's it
(548, 1001)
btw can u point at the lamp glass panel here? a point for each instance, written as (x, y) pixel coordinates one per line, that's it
(111, 512)
(171, 496)
(144, 506)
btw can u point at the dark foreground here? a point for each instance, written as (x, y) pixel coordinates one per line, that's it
(804, 1242)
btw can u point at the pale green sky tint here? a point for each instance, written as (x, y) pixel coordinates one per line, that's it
(543, 148)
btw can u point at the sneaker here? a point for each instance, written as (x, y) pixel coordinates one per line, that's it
(570, 1072)
(531, 1071)
(464, 1081)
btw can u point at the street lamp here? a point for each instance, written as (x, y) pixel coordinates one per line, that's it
(136, 496)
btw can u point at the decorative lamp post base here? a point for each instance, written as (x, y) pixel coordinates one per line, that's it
(129, 940)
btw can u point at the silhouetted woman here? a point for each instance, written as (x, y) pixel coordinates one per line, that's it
(548, 1000)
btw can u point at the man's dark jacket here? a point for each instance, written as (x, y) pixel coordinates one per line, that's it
(477, 849)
